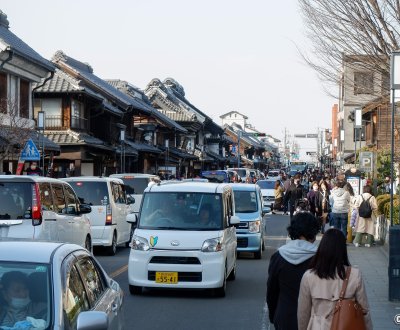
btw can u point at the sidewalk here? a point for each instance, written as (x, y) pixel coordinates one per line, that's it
(373, 263)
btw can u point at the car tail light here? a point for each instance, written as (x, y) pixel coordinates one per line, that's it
(36, 207)
(108, 215)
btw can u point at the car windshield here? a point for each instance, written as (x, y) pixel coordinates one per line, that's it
(91, 192)
(265, 184)
(273, 173)
(30, 282)
(16, 200)
(214, 176)
(135, 185)
(245, 201)
(181, 211)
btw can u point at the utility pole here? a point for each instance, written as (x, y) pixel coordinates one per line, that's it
(238, 146)
(284, 149)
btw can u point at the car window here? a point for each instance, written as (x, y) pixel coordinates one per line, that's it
(46, 197)
(75, 298)
(245, 201)
(58, 196)
(266, 184)
(118, 193)
(16, 199)
(25, 280)
(92, 279)
(71, 200)
(91, 192)
(135, 185)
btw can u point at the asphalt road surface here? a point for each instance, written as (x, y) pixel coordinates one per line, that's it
(242, 308)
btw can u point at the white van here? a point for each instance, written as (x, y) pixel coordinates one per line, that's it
(44, 209)
(185, 238)
(110, 209)
(135, 184)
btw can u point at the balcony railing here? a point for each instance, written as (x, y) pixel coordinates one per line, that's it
(79, 123)
(57, 122)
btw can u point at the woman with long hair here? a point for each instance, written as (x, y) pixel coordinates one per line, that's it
(278, 192)
(321, 284)
(322, 205)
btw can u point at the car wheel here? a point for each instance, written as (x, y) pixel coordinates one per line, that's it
(112, 250)
(232, 275)
(130, 237)
(88, 244)
(221, 291)
(258, 254)
(263, 243)
(133, 289)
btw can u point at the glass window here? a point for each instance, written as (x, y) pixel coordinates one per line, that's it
(135, 185)
(58, 196)
(363, 83)
(70, 199)
(53, 110)
(24, 93)
(25, 280)
(3, 92)
(16, 199)
(92, 279)
(92, 193)
(245, 201)
(75, 298)
(13, 102)
(46, 198)
(118, 193)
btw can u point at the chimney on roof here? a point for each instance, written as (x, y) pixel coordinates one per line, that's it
(3, 20)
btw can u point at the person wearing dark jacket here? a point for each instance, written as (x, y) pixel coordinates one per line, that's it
(322, 205)
(294, 193)
(311, 195)
(286, 268)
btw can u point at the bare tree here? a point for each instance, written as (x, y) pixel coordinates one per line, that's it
(14, 129)
(363, 33)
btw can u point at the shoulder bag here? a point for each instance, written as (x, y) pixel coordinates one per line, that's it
(348, 314)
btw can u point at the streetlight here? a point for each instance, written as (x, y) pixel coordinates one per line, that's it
(41, 128)
(122, 141)
(394, 231)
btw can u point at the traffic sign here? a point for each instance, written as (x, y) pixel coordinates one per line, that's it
(300, 135)
(30, 152)
(366, 161)
(312, 136)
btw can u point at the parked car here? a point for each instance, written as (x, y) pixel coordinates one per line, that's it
(249, 209)
(185, 238)
(268, 193)
(67, 287)
(110, 209)
(43, 209)
(135, 184)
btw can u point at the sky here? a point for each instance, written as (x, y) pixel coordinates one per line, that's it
(228, 55)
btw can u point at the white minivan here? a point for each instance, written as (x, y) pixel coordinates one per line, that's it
(44, 209)
(185, 238)
(110, 209)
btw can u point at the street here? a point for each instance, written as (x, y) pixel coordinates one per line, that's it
(242, 308)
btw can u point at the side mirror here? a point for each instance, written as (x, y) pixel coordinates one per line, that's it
(131, 218)
(92, 320)
(130, 199)
(85, 208)
(235, 220)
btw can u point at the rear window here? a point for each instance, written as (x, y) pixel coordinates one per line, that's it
(266, 184)
(241, 173)
(215, 176)
(92, 193)
(15, 200)
(135, 185)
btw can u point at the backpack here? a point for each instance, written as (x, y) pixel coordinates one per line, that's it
(365, 209)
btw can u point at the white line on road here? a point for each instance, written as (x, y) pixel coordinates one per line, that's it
(119, 271)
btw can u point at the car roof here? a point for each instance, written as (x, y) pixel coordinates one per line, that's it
(243, 187)
(27, 178)
(23, 250)
(201, 187)
(133, 175)
(91, 178)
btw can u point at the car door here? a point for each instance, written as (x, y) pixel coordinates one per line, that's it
(63, 227)
(120, 212)
(101, 296)
(49, 230)
(229, 231)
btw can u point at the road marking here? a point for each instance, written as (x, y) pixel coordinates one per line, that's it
(265, 325)
(119, 271)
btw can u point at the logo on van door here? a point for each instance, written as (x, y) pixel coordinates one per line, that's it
(175, 243)
(153, 240)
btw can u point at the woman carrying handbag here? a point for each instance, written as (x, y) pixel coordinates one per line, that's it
(332, 291)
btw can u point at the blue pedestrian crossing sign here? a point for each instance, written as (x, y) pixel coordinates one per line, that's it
(30, 152)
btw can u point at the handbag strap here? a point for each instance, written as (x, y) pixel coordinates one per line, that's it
(345, 282)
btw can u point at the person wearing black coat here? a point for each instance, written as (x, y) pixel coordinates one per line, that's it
(294, 193)
(322, 204)
(286, 268)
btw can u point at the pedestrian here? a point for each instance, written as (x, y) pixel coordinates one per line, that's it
(286, 269)
(322, 205)
(311, 196)
(278, 192)
(365, 225)
(33, 169)
(294, 194)
(321, 284)
(340, 199)
(286, 186)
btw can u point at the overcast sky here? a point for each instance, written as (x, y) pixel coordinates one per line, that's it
(227, 54)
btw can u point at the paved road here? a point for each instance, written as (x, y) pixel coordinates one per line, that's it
(242, 308)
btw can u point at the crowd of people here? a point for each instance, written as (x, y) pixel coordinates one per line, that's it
(305, 279)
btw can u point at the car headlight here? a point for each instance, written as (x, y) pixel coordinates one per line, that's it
(139, 243)
(254, 226)
(212, 245)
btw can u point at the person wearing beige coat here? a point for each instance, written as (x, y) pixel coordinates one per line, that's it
(321, 284)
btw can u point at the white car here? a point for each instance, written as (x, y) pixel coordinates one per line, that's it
(44, 209)
(110, 210)
(185, 238)
(268, 193)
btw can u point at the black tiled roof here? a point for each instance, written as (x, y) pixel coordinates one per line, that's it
(70, 137)
(180, 153)
(143, 147)
(18, 46)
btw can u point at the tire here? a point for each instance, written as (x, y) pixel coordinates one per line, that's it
(88, 244)
(221, 291)
(263, 243)
(133, 289)
(112, 250)
(258, 254)
(232, 275)
(130, 237)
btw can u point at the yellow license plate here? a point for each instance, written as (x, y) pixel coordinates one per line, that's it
(167, 277)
